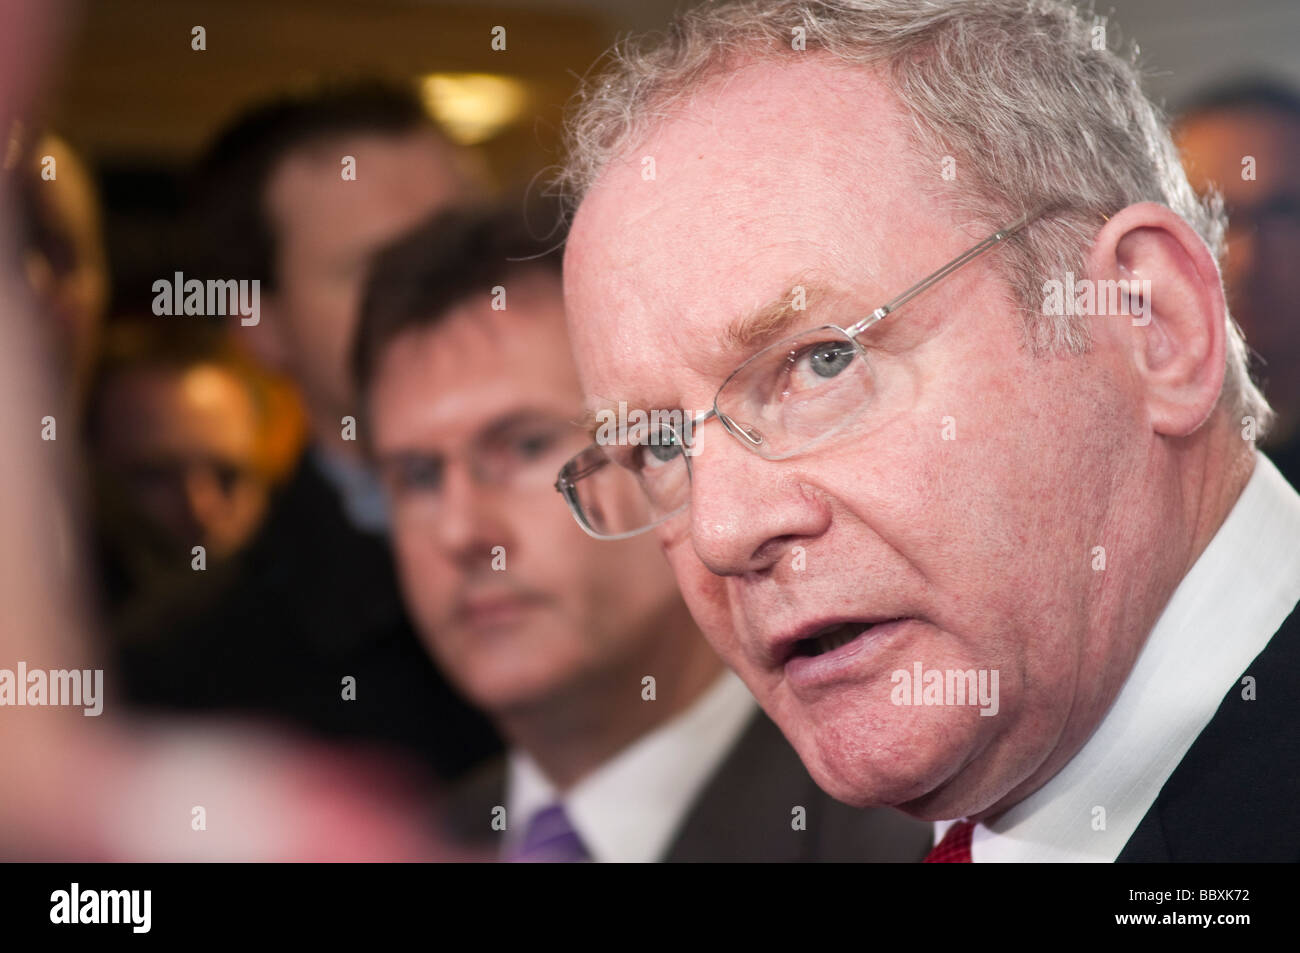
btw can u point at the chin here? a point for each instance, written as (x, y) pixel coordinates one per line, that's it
(506, 680)
(498, 694)
(875, 758)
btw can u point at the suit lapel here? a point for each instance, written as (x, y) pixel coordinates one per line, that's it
(467, 810)
(744, 812)
(1236, 793)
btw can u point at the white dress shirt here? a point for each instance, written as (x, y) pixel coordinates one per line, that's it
(629, 808)
(1221, 616)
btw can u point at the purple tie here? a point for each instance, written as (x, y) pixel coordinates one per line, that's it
(550, 839)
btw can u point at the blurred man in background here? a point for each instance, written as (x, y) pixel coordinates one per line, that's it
(297, 194)
(63, 253)
(629, 741)
(1244, 140)
(176, 420)
(102, 788)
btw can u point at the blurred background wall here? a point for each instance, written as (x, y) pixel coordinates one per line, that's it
(134, 97)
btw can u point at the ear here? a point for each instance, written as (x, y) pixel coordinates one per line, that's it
(1175, 323)
(266, 339)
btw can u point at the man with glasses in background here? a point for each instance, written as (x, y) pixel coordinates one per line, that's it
(999, 553)
(629, 740)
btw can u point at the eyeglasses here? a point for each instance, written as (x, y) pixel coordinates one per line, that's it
(782, 401)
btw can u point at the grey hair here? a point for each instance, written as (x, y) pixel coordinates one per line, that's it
(1015, 90)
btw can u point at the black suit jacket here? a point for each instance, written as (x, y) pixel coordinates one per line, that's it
(311, 600)
(1236, 794)
(743, 813)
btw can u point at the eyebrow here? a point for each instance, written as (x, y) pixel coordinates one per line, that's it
(764, 324)
(590, 422)
(495, 429)
(771, 321)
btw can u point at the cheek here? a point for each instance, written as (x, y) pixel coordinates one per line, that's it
(994, 497)
(547, 549)
(427, 581)
(968, 468)
(598, 592)
(706, 597)
(248, 504)
(627, 582)
(336, 326)
(323, 316)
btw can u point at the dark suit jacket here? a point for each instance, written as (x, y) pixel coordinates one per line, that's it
(743, 812)
(1236, 794)
(311, 600)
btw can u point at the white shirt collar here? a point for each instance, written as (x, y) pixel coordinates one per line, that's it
(1221, 616)
(629, 808)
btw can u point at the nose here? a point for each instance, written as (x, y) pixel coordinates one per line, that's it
(747, 512)
(470, 521)
(206, 503)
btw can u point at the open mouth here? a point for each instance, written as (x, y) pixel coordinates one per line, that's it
(831, 638)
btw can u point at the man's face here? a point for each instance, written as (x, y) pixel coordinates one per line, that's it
(1263, 200)
(551, 610)
(67, 268)
(959, 514)
(184, 445)
(327, 229)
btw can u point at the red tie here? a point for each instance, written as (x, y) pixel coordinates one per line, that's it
(955, 846)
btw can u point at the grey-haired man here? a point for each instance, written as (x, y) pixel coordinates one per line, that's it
(993, 547)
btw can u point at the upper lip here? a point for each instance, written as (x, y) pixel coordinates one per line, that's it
(781, 647)
(489, 601)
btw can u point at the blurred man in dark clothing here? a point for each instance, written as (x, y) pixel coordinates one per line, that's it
(1244, 140)
(175, 425)
(176, 419)
(297, 194)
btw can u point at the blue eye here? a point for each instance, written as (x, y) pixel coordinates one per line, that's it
(829, 358)
(657, 453)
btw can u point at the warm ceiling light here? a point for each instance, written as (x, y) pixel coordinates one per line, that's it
(473, 107)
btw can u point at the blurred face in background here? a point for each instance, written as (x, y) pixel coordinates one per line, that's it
(326, 230)
(64, 255)
(472, 419)
(1260, 269)
(183, 444)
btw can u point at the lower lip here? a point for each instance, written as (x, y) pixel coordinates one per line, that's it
(502, 615)
(816, 671)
